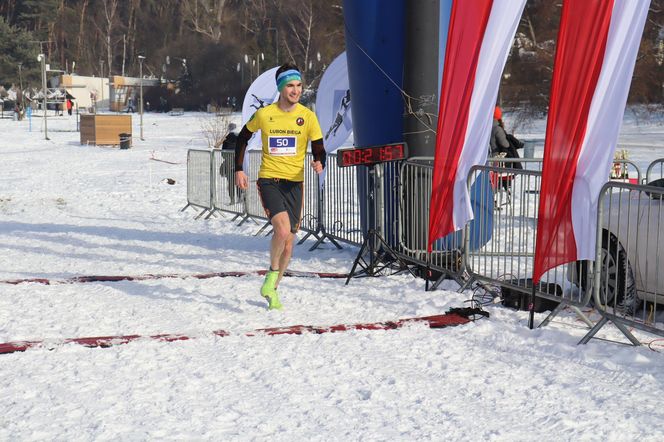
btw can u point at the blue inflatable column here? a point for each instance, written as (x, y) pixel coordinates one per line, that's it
(374, 48)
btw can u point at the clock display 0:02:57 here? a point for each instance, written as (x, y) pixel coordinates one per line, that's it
(372, 155)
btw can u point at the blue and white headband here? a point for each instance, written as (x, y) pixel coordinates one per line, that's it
(286, 77)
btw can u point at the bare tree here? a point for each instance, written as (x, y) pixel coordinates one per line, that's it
(81, 29)
(215, 129)
(132, 21)
(110, 10)
(206, 17)
(301, 23)
(8, 10)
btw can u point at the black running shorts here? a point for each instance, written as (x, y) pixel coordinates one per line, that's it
(278, 195)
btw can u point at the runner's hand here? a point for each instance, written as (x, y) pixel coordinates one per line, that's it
(317, 166)
(241, 180)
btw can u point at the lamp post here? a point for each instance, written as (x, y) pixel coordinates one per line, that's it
(276, 44)
(20, 77)
(258, 63)
(101, 75)
(42, 59)
(140, 70)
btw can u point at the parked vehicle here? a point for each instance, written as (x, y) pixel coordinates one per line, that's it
(632, 255)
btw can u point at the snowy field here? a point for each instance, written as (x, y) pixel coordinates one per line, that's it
(69, 210)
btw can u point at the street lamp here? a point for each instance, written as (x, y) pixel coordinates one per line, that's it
(251, 73)
(312, 64)
(254, 61)
(42, 58)
(140, 70)
(240, 69)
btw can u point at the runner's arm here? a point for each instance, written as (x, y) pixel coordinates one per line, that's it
(318, 151)
(241, 146)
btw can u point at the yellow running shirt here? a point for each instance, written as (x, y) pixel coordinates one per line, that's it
(284, 136)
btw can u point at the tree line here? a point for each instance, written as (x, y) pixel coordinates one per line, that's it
(212, 49)
(529, 69)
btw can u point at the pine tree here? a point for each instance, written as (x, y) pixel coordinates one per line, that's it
(15, 48)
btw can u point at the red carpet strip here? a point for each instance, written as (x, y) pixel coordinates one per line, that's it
(436, 321)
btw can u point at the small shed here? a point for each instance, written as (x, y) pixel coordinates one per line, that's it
(104, 128)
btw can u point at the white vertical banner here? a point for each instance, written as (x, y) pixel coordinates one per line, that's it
(262, 92)
(333, 106)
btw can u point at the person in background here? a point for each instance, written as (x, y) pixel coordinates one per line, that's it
(70, 105)
(286, 126)
(498, 141)
(227, 168)
(231, 138)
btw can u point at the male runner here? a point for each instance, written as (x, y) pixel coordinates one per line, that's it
(286, 126)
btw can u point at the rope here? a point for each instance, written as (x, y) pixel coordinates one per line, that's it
(408, 99)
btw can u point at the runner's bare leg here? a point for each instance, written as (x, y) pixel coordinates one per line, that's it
(285, 257)
(281, 246)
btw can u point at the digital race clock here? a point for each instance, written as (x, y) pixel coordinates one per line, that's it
(367, 156)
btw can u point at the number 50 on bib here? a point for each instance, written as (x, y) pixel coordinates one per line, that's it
(282, 146)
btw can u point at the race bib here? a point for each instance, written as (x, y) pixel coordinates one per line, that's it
(282, 146)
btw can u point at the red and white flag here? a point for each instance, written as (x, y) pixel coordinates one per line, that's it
(479, 38)
(595, 55)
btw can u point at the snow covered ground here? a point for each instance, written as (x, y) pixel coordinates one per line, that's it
(68, 210)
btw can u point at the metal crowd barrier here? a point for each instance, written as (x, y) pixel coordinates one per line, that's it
(388, 204)
(226, 197)
(415, 194)
(253, 207)
(211, 186)
(628, 282)
(313, 207)
(498, 245)
(507, 258)
(415, 186)
(533, 164)
(310, 215)
(655, 171)
(340, 203)
(199, 184)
